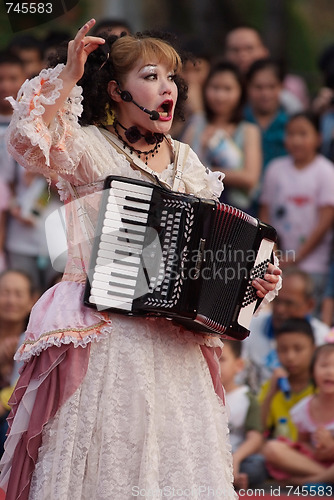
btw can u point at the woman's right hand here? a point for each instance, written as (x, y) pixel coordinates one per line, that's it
(78, 51)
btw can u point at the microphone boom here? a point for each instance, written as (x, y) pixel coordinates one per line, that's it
(127, 97)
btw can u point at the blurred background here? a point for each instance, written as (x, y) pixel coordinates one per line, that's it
(295, 31)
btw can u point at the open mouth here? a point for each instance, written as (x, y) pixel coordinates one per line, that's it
(165, 109)
(329, 382)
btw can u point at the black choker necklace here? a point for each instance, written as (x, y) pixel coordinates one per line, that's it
(132, 134)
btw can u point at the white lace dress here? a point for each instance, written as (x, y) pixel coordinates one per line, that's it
(145, 421)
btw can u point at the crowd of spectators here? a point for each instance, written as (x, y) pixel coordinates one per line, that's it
(283, 174)
(275, 145)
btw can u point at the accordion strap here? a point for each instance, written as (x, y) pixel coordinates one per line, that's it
(181, 153)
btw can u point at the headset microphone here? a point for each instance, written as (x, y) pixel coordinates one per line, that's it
(127, 97)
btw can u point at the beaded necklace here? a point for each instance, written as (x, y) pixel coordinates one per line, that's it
(155, 150)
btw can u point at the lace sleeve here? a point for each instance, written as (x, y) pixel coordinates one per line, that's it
(57, 148)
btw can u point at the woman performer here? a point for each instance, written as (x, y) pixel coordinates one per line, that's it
(111, 406)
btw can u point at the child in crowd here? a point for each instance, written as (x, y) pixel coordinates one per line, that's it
(298, 200)
(221, 137)
(308, 459)
(295, 347)
(244, 420)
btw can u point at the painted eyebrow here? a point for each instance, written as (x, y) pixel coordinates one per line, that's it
(147, 66)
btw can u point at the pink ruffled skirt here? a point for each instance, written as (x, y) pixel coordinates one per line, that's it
(125, 408)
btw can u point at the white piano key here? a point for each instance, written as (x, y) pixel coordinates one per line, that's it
(123, 208)
(120, 234)
(116, 291)
(113, 290)
(131, 188)
(121, 263)
(114, 218)
(122, 247)
(112, 256)
(107, 230)
(122, 212)
(126, 226)
(106, 301)
(97, 292)
(118, 201)
(115, 267)
(105, 278)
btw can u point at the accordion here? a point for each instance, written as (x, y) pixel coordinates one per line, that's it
(162, 253)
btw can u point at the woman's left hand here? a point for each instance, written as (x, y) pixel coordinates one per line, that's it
(263, 286)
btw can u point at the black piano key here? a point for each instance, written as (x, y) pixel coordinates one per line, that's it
(121, 285)
(135, 209)
(136, 199)
(125, 263)
(127, 254)
(128, 240)
(134, 222)
(130, 231)
(114, 274)
(120, 294)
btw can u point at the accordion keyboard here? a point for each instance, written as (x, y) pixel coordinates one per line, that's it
(120, 246)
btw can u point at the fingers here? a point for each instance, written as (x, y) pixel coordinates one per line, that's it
(81, 41)
(89, 44)
(78, 39)
(273, 269)
(85, 28)
(93, 39)
(78, 51)
(260, 290)
(263, 286)
(272, 277)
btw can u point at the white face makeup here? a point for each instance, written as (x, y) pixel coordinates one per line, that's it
(152, 70)
(153, 87)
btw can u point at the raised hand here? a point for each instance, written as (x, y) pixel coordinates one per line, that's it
(78, 51)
